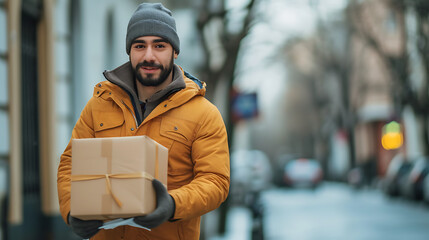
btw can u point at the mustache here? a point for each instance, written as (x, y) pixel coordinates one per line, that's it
(148, 64)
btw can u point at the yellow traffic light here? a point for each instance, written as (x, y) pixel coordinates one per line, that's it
(392, 137)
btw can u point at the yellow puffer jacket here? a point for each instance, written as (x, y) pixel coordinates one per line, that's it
(198, 165)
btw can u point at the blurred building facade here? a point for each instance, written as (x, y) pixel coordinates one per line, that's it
(51, 55)
(352, 75)
(384, 70)
(371, 82)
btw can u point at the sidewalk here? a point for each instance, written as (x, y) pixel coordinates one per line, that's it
(238, 225)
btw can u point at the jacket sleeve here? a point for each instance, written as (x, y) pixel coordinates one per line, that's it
(83, 129)
(210, 155)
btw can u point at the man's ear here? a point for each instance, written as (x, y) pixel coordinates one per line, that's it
(175, 55)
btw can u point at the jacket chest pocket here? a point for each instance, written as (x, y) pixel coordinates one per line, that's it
(177, 135)
(108, 124)
(177, 131)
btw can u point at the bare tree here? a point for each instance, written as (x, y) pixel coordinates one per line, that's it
(333, 54)
(328, 83)
(420, 102)
(221, 47)
(219, 42)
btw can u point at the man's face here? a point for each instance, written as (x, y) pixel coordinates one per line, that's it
(152, 59)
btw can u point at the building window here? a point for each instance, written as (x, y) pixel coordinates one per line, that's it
(4, 93)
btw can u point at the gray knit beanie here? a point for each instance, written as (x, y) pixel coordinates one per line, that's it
(152, 19)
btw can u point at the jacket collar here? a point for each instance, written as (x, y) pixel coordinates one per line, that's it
(123, 76)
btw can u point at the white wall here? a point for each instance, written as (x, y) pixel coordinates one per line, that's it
(75, 84)
(62, 74)
(93, 39)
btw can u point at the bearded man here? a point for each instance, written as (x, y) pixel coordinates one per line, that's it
(151, 95)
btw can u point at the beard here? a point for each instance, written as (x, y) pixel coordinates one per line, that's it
(150, 80)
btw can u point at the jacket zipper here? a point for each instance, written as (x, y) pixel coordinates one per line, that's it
(132, 113)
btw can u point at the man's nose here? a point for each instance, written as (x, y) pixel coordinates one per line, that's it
(149, 55)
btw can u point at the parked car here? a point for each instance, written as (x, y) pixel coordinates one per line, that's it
(404, 187)
(279, 168)
(251, 173)
(412, 187)
(355, 177)
(397, 169)
(303, 172)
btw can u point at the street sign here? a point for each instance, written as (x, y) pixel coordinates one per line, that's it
(244, 106)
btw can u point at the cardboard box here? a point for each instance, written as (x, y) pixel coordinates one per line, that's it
(129, 163)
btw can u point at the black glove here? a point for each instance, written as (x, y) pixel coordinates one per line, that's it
(84, 229)
(164, 208)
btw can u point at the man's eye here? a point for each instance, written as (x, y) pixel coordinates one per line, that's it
(160, 46)
(138, 46)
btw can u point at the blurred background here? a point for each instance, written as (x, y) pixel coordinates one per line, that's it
(326, 103)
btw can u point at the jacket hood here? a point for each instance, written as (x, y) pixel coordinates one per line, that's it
(183, 88)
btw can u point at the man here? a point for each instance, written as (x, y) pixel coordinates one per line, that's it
(150, 95)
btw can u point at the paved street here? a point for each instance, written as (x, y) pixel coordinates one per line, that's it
(332, 212)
